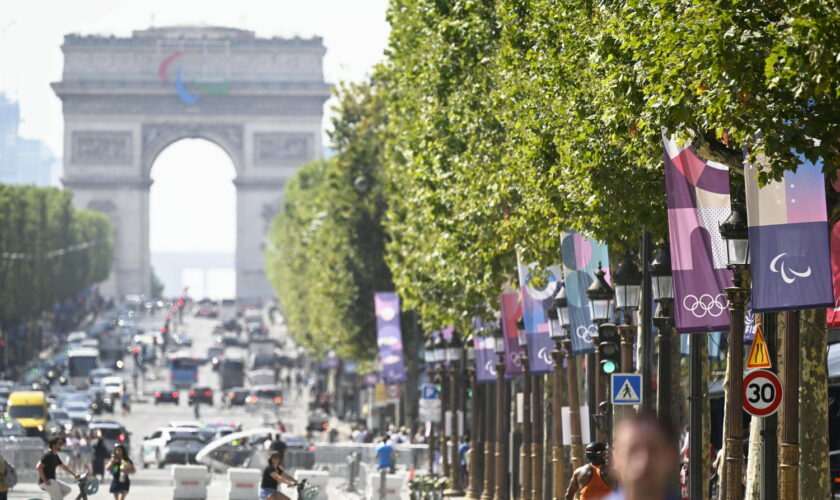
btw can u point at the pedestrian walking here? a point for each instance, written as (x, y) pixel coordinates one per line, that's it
(85, 450)
(592, 480)
(384, 462)
(125, 401)
(273, 476)
(100, 454)
(47, 466)
(120, 468)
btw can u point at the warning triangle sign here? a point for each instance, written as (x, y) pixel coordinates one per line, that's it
(759, 354)
(626, 393)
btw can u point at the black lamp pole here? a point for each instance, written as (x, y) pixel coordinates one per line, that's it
(600, 295)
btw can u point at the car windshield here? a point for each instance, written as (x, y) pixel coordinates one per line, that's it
(58, 415)
(183, 435)
(26, 411)
(185, 443)
(76, 406)
(267, 393)
(9, 429)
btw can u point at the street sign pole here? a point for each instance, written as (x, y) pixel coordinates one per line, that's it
(770, 450)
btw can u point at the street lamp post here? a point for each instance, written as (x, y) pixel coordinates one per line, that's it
(489, 440)
(441, 380)
(476, 446)
(502, 488)
(555, 331)
(525, 448)
(734, 231)
(628, 287)
(454, 353)
(561, 305)
(600, 295)
(431, 367)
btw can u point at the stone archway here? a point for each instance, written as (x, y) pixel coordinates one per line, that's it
(126, 99)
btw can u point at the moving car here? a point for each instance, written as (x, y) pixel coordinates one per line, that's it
(114, 385)
(60, 421)
(202, 393)
(11, 428)
(265, 397)
(167, 396)
(155, 446)
(237, 396)
(113, 433)
(79, 413)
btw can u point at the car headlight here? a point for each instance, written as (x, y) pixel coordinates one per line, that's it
(88, 418)
(40, 428)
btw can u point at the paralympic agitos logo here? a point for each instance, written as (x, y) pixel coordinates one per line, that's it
(198, 88)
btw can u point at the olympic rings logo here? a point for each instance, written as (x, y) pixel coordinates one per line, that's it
(585, 333)
(705, 305)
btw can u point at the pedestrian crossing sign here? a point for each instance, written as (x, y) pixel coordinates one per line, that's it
(626, 389)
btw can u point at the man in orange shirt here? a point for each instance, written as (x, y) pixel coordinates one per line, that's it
(592, 480)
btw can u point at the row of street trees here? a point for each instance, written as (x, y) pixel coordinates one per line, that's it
(492, 126)
(49, 251)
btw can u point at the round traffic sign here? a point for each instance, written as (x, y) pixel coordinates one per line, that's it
(393, 391)
(762, 393)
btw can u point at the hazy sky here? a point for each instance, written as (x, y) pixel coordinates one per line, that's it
(31, 32)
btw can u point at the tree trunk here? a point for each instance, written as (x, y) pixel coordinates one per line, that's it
(813, 407)
(754, 461)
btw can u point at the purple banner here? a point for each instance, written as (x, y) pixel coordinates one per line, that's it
(511, 312)
(389, 337)
(485, 358)
(535, 302)
(698, 201)
(581, 257)
(789, 252)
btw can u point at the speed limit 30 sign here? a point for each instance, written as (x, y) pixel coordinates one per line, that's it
(762, 393)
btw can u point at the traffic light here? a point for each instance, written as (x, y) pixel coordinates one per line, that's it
(609, 348)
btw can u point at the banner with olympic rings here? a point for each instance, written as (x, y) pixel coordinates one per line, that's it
(581, 257)
(698, 201)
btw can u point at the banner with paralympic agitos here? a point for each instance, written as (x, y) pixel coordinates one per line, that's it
(511, 312)
(581, 257)
(485, 349)
(389, 337)
(698, 201)
(536, 300)
(788, 230)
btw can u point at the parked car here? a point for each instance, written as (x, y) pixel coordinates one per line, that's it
(203, 393)
(167, 396)
(113, 433)
(155, 450)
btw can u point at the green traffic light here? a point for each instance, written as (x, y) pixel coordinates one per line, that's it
(608, 367)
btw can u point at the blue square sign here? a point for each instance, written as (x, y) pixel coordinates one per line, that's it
(626, 389)
(428, 391)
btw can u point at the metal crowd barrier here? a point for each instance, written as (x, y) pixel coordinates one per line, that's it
(23, 454)
(334, 456)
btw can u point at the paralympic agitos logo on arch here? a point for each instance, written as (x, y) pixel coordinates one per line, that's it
(196, 89)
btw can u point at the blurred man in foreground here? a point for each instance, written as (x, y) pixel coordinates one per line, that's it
(644, 458)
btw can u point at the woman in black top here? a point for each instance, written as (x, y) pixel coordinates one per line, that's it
(120, 467)
(273, 475)
(100, 453)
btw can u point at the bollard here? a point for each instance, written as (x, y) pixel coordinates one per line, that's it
(353, 465)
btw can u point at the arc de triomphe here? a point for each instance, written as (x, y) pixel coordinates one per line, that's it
(126, 99)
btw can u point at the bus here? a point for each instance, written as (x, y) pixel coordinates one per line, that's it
(183, 370)
(80, 362)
